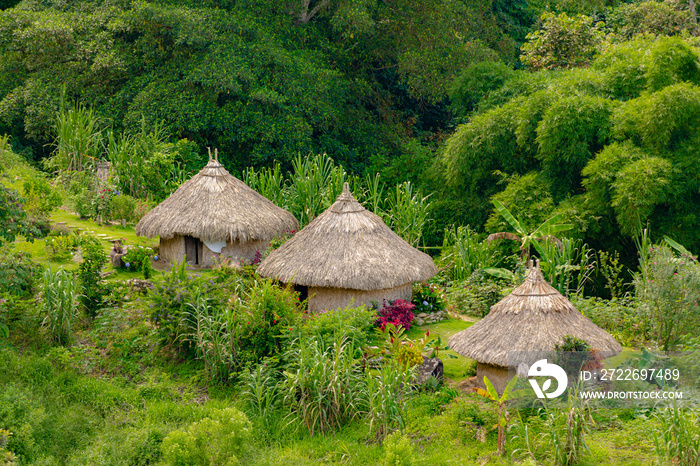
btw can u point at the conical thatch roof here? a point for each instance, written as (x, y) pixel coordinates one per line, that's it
(347, 247)
(216, 206)
(532, 319)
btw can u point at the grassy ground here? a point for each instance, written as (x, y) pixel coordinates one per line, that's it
(456, 366)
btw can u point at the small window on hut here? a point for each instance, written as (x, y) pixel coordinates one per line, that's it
(193, 250)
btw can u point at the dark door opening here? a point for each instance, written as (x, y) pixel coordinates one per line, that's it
(303, 291)
(193, 250)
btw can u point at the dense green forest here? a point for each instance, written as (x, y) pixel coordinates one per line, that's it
(570, 127)
(592, 114)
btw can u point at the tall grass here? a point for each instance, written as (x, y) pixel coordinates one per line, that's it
(387, 393)
(465, 254)
(677, 440)
(212, 338)
(269, 182)
(59, 305)
(567, 266)
(315, 183)
(407, 212)
(78, 138)
(323, 391)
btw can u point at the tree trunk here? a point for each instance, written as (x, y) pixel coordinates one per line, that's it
(694, 16)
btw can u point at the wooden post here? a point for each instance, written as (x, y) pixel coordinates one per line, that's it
(99, 219)
(123, 223)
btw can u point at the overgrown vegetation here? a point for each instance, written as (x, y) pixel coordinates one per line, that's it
(570, 128)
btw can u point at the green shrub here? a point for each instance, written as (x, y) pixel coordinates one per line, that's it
(397, 450)
(61, 248)
(17, 273)
(268, 313)
(41, 197)
(669, 291)
(428, 297)
(219, 439)
(59, 305)
(89, 274)
(135, 257)
(356, 323)
(474, 296)
(122, 206)
(619, 316)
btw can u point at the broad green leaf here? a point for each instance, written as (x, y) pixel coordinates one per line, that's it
(509, 217)
(493, 394)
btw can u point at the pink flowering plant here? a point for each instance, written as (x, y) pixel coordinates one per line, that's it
(398, 313)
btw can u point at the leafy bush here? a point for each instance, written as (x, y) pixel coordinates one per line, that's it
(17, 273)
(397, 450)
(89, 274)
(135, 257)
(428, 297)
(219, 439)
(357, 323)
(41, 197)
(398, 313)
(561, 42)
(60, 247)
(59, 305)
(268, 313)
(619, 316)
(121, 206)
(476, 82)
(669, 291)
(474, 296)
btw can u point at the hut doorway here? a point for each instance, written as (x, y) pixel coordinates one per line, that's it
(193, 250)
(303, 291)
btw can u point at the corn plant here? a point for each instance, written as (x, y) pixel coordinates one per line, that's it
(386, 392)
(562, 439)
(260, 391)
(677, 440)
(407, 212)
(269, 182)
(567, 264)
(212, 338)
(59, 305)
(323, 389)
(78, 138)
(465, 254)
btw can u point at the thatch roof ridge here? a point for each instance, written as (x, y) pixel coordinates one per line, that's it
(531, 320)
(214, 205)
(348, 247)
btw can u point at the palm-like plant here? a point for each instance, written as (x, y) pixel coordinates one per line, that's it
(542, 232)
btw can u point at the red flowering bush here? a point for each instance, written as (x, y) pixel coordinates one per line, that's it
(399, 312)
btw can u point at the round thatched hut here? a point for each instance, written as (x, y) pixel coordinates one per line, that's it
(215, 214)
(524, 327)
(347, 254)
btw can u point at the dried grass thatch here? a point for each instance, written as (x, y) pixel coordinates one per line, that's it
(529, 322)
(347, 247)
(216, 206)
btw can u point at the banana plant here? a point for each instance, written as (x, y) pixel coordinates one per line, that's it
(508, 394)
(542, 232)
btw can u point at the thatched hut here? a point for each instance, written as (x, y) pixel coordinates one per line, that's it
(215, 214)
(524, 327)
(347, 254)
